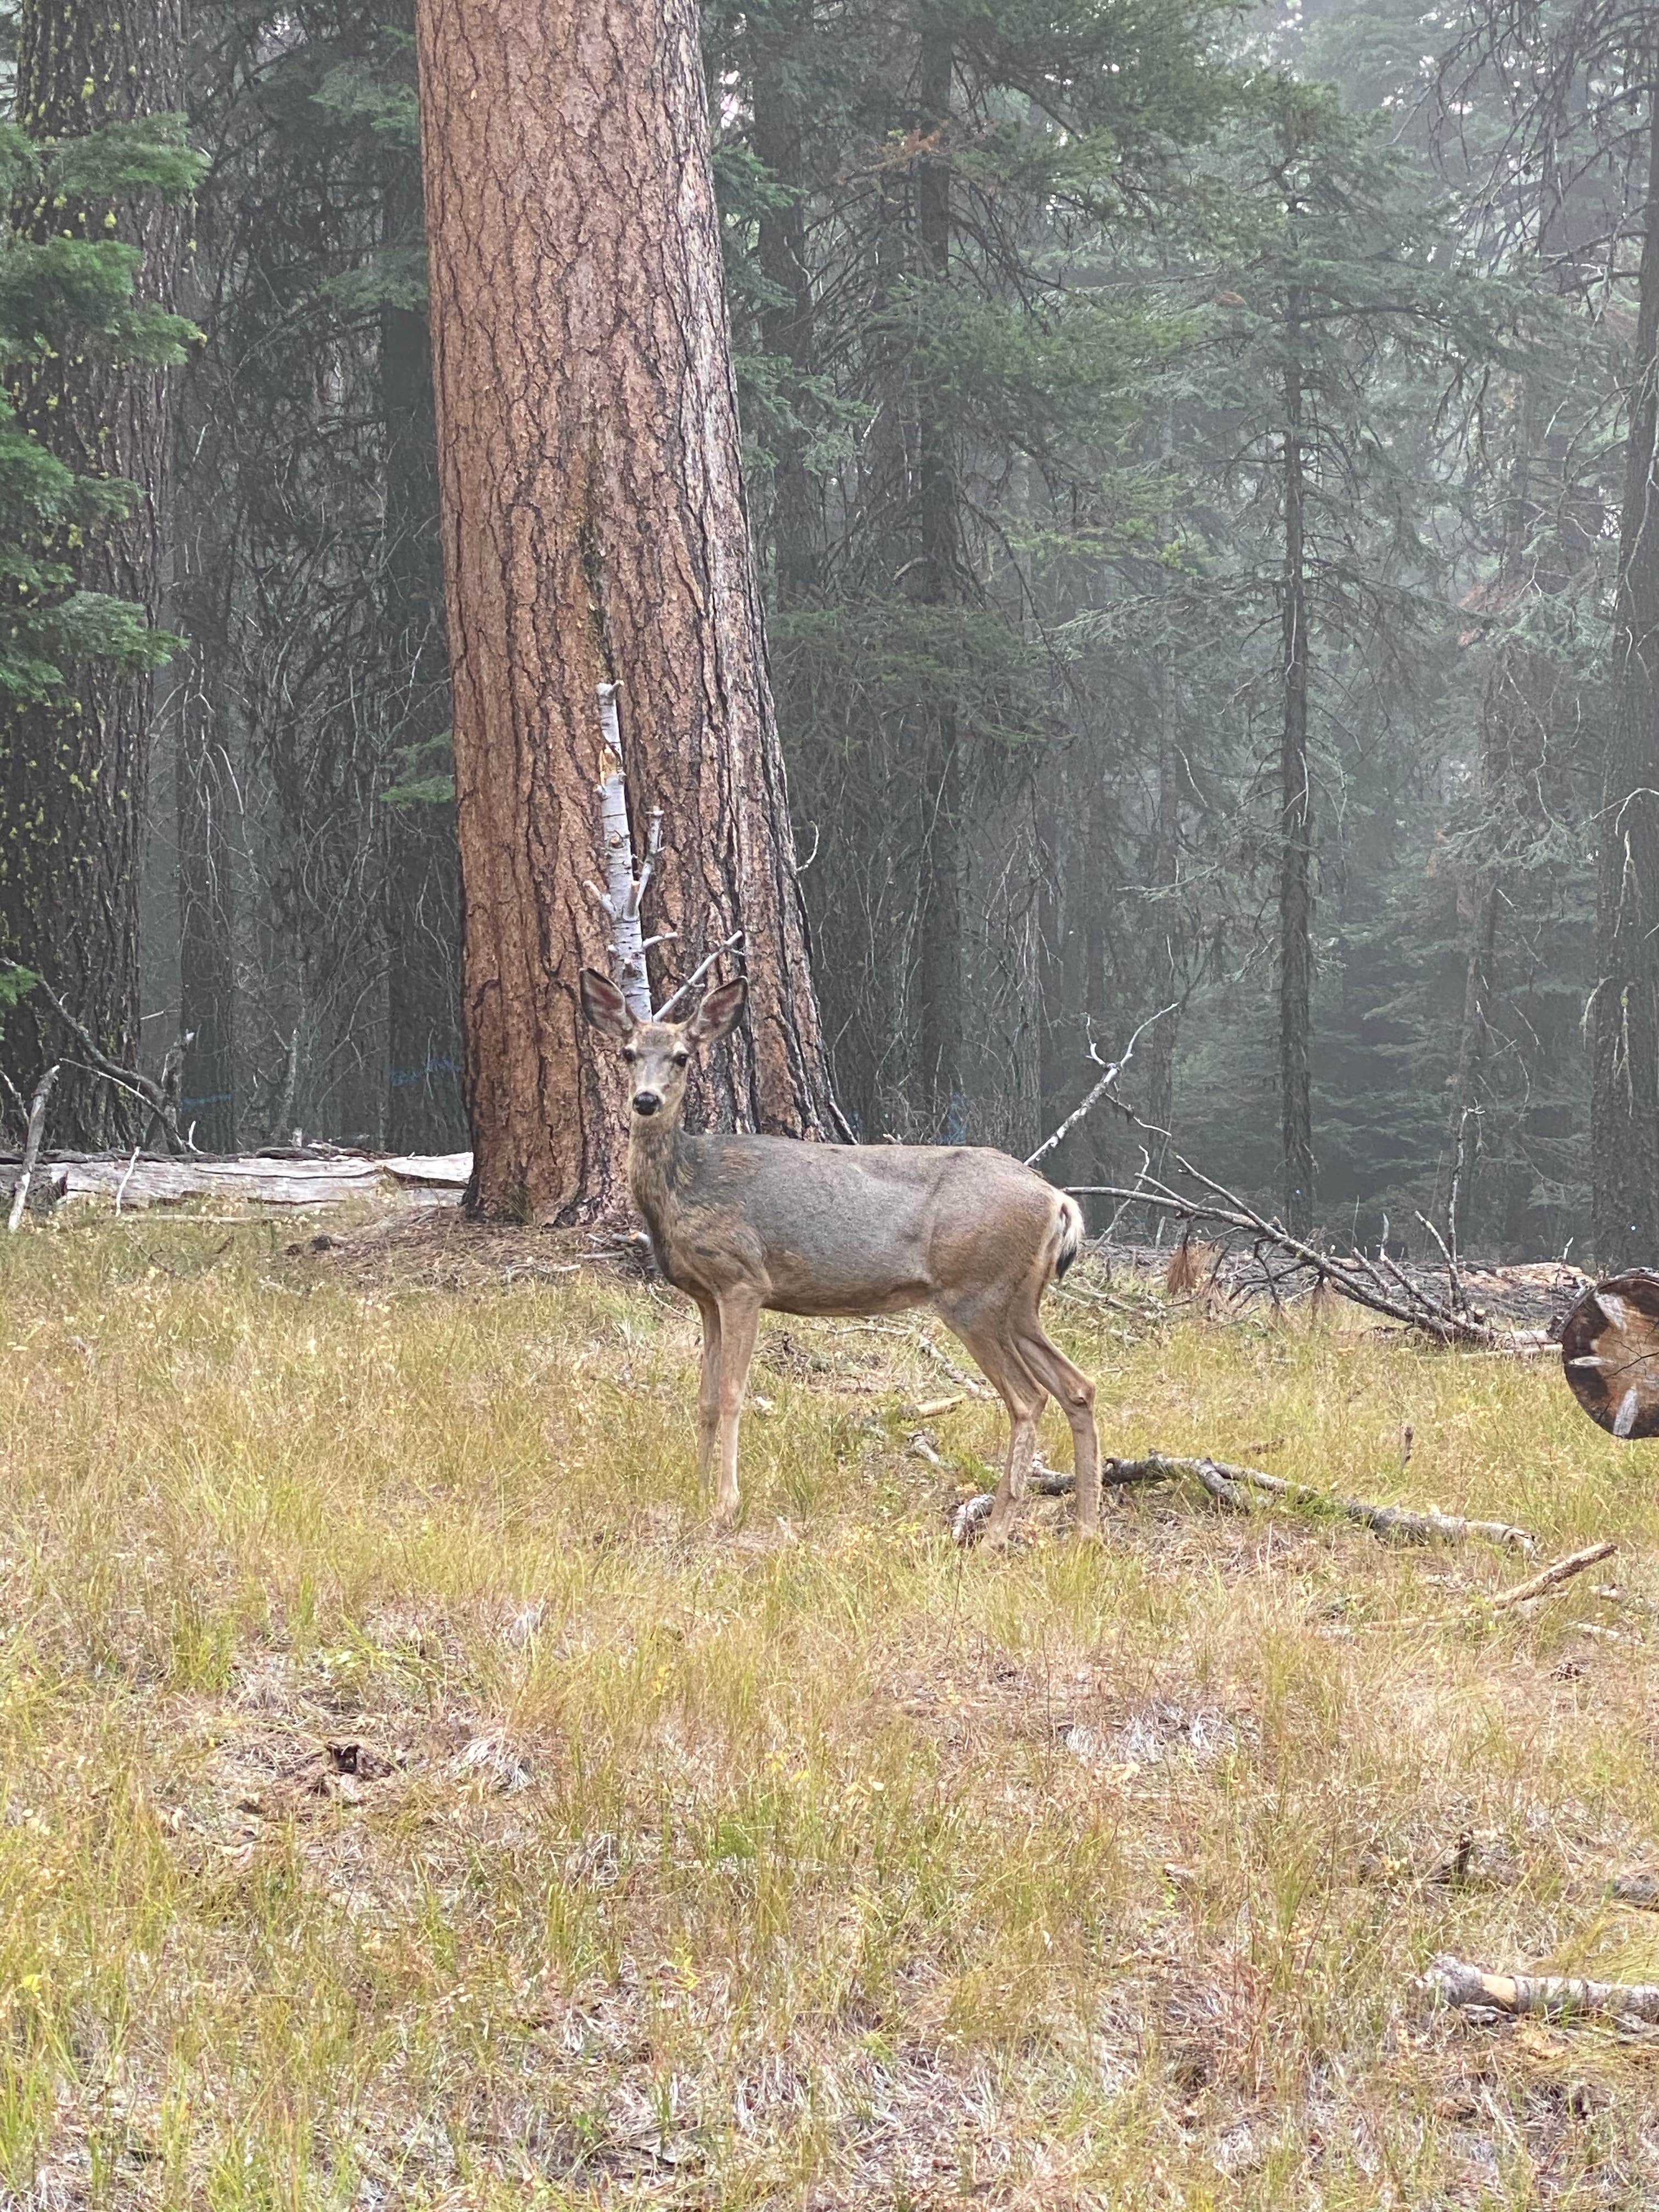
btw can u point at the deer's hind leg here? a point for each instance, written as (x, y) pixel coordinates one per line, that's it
(1074, 1393)
(1020, 1392)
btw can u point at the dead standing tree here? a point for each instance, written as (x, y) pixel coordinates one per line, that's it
(594, 530)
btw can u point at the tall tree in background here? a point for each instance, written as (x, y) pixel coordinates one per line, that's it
(205, 782)
(937, 569)
(1350, 320)
(964, 182)
(89, 381)
(594, 530)
(1624, 1054)
(1295, 767)
(1565, 104)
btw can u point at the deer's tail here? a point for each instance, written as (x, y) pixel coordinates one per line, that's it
(1068, 1235)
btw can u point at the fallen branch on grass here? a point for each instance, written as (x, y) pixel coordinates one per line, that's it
(1553, 1576)
(1554, 1996)
(1429, 1526)
(1230, 1486)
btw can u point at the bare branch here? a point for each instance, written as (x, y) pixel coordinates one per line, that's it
(1553, 1576)
(697, 974)
(130, 1079)
(1101, 1088)
(1355, 1275)
(32, 1146)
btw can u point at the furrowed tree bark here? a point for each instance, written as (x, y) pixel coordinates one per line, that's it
(205, 790)
(1295, 819)
(1624, 1040)
(594, 530)
(74, 771)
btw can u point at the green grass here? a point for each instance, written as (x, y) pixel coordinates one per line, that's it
(404, 1800)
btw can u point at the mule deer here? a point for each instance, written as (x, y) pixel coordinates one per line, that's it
(740, 1223)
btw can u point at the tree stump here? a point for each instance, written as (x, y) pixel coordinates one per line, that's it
(1610, 1353)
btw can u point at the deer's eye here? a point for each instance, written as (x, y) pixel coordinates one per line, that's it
(680, 1058)
(629, 1055)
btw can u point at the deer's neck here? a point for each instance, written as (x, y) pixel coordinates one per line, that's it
(653, 1148)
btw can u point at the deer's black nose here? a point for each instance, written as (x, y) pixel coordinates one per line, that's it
(646, 1102)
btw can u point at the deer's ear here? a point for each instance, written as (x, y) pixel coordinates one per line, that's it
(603, 1004)
(718, 1014)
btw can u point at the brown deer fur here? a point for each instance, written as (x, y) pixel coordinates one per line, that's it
(742, 1223)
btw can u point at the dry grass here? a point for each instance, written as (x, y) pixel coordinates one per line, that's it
(405, 1801)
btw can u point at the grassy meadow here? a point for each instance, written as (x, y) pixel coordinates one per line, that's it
(406, 1801)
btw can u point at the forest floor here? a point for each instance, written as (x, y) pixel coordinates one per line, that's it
(406, 1801)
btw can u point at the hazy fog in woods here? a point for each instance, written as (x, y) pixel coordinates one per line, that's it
(1189, 463)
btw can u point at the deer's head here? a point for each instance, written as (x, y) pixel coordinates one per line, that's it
(657, 1054)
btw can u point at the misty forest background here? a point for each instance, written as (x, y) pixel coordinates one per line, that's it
(1188, 504)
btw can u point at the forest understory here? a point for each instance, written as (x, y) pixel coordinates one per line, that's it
(409, 1803)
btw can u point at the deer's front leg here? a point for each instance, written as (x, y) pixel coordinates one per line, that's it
(739, 1319)
(708, 1390)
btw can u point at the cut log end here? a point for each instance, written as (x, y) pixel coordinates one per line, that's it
(1610, 1354)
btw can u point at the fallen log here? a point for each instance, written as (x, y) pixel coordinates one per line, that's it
(1229, 1485)
(294, 1180)
(1554, 1997)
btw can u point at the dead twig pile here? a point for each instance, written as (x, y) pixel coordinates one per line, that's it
(1381, 1285)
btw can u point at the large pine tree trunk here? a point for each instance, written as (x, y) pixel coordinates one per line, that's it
(1625, 1044)
(594, 529)
(74, 771)
(206, 794)
(1296, 827)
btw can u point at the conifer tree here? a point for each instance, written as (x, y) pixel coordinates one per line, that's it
(96, 169)
(1346, 316)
